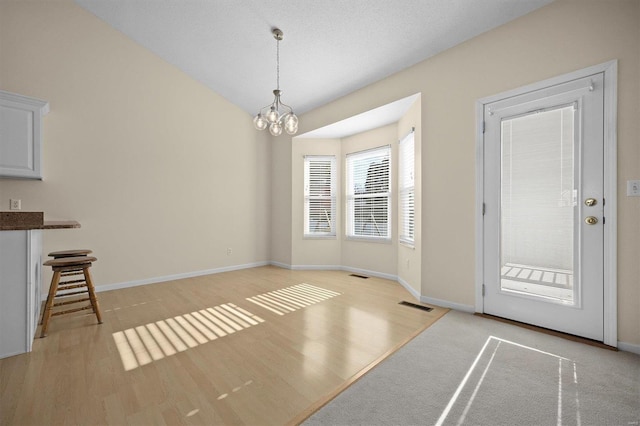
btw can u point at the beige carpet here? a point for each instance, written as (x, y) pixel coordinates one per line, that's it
(467, 370)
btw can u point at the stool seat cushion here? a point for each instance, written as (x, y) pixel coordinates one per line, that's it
(70, 253)
(70, 261)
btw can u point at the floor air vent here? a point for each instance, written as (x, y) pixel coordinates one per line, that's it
(359, 276)
(415, 305)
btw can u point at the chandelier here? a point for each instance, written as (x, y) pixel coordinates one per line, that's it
(277, 116)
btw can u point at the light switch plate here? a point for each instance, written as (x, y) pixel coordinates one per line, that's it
(633, 188)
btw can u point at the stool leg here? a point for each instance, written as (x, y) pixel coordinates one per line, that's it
(45, 306)
(46, 316)
(92, 294)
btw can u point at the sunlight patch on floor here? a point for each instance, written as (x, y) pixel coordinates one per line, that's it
(144, 344)
(290, 299)
(484, 366)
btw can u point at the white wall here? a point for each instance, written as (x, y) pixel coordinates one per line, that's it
(565, 36)
(314, 251)
(409, 268)
(365, 255)
(162, 173)
(143, 156)
(339, 252)
(281, 200)
(378, 257)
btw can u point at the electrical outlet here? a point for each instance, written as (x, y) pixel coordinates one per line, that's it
(15, 204)
(633, 188)
(229, 251)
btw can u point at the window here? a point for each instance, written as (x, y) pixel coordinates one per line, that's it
(368, 194)
(319, 196)
(406, 189)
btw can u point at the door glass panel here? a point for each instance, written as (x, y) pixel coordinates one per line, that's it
(538, 196)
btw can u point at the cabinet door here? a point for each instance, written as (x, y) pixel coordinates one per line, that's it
(14, 293)
(34, 285)
(21, 135)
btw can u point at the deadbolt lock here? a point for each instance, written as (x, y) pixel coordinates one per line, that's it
(591, 220)
(589, 202)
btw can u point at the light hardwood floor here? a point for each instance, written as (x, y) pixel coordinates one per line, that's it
(261, 346)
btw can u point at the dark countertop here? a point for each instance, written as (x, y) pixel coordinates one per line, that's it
(24, 221)
(60, 224)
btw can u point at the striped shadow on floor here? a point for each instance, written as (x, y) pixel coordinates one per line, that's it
(290, 299)
(144, 344)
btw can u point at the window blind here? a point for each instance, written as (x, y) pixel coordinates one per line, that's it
(406, 188)
(368, 194)
(319, 196)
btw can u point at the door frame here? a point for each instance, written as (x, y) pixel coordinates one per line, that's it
(610, 70)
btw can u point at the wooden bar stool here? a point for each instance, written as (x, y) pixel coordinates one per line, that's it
(66, 253)
(65, 290)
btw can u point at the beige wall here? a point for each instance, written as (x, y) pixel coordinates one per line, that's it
(281, 197)
(355, 254)
(314, 251)
(409, 267)
(162, 173)
(378, 257)
(388, 259)
(144, 157)
(564, 36)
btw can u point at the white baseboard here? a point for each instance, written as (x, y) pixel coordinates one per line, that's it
(629, 347)
(336, 268)
(154, 280)
(623, 346)
(280, 264)
(446, 304)
(315, 267)
(410, 289)
(369, 273)
(406, 285)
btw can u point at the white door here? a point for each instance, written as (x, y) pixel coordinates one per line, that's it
(543, 202)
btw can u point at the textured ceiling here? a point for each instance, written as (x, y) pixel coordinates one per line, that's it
(330, 47)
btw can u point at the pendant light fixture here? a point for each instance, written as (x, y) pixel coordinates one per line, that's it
(277, 116)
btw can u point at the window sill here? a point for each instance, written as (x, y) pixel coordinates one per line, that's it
(408, 244)
(369, 239)
(318, 237)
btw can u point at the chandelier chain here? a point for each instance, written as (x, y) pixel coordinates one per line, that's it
(278, 64)
(277, 116)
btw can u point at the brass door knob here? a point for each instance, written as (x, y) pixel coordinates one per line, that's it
(589, 202)
(591, 220)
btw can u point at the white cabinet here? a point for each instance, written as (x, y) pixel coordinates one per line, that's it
(21, 135)
(20, 282)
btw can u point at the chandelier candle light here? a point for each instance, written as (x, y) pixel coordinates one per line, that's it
(277, 115)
